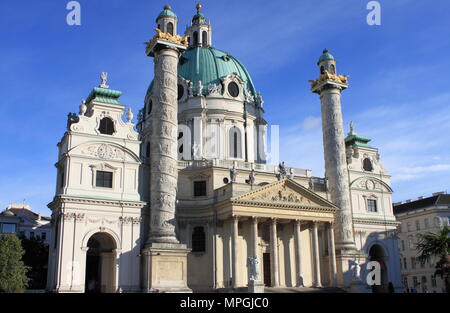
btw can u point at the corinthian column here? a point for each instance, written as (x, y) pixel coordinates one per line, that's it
(163, 153)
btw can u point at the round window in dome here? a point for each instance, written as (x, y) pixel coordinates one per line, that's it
(180, 92)
(233, 89)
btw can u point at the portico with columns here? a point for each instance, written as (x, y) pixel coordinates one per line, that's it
(283, 225)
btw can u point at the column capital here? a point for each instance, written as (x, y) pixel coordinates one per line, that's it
(254, 219)
(297, 221)
(235, 217)
(273, 220)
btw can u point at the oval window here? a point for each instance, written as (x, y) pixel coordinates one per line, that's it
(233, 89)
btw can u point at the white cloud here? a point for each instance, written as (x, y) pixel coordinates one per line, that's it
(311, 122)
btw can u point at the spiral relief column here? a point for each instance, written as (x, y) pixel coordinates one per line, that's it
(163, 152)
(164, 258)
(329, 86)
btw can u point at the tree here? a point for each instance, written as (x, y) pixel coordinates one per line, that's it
(437, 245)
(36, 257)
(13, 272)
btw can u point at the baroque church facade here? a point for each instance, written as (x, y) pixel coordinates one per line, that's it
(185, 199)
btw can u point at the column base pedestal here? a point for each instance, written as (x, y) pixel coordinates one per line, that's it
(165, 268)
(345, 262)
(255, 287)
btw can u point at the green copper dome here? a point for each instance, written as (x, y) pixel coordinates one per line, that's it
(325, 56)
(210, 65)
(167, 12)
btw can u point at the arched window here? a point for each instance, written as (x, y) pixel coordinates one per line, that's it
(235, 143)
(180, 91)
(195, 38)
(181, 147)
(367, 165)
(198, 239)
(205, 39)
(147, 150)
(106, 126)
(332, 69)
(322, 70)
(150, 107)
(170, 28)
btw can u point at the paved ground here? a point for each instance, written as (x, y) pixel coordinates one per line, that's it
(288, 290)
(304, 290)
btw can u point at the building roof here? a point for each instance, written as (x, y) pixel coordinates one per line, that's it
(436, 200)
(24, 212)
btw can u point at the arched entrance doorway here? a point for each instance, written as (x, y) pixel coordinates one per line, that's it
(100, 264)
(376, 253)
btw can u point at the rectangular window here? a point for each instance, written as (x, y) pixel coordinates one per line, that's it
(200, 189)
(104, 179)
(415, 283)
(403, 245)
(418, 225)
(413, 262)
(422, 264)
(426, 223)
(408, 226)
(44, 236)
(8, 228)
(32, 234)
(405, 264)
(372, 205)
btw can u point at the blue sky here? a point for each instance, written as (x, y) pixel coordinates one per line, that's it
(399, 93)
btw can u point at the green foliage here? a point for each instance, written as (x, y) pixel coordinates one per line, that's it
(36, 257)
(13, 272)
(437, 245)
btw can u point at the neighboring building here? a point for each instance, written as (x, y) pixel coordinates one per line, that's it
(19, 219)
(418, 217)
(230, 204)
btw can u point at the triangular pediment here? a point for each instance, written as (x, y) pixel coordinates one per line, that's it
(287, 192)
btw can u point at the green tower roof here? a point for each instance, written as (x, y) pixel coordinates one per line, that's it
(325, 56)
(356, 140)
(104, 95)
(166, 12)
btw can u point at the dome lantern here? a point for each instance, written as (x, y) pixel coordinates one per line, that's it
(199, 32)
(167, 20)
(327, 63)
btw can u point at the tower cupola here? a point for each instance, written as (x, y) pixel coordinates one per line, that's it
(200, 31)
(327, 63)
(167, 20)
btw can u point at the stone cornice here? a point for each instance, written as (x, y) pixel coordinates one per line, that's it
(59, 199)
(375, 221)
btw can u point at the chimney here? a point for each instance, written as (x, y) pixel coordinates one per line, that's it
(408, 201)
(438, 193)
(421, 197)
